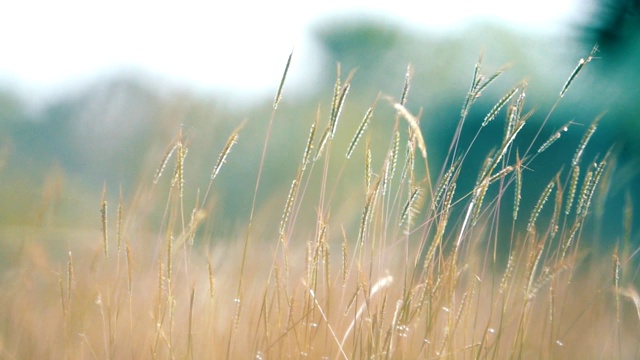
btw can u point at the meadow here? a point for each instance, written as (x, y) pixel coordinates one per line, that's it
(375, 250)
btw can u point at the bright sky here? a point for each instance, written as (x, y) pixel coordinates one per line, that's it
(238, 45)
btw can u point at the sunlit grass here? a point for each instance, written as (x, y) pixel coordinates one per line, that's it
(373, 251)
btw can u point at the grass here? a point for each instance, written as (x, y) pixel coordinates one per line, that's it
(370, 255)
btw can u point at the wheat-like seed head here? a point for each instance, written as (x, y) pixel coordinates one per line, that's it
(103, 218)
(557, 209)
(407, 84)
(367, 212)
(573, 184)
(518, 188)
(539, 205)
(585, 140)
(278, 97)
(361, 128)
(164, 161)
(415, 127)
(500, 104)
(555, 136)
(307, 149)
(289, 204)
(581, 63)
(223, 155)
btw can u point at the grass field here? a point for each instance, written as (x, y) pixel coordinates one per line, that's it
(374, 252)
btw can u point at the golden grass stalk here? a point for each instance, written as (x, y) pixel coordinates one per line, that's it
(532, 267)
(63, 302)
(233, 138)
(518, 188)
(478, 198)
(338, 110)
(573, 184)
(593, 184)
(471, 94)
(514, 114)
(444, 183)
(569, 240)
(478, 85)
(394, 153)
(293, 190)
(471, 209)
(584, 192)
(339, 97)
(581, 63)
(345, 258)
(585, 140)
(178, 175)
(482, 185)
(361, 128)
(324, 316)
(616, 288)
(190, 326)
(539, 205)
(488, 81)
(188, 234)
(312, 261)
(557, 209)
(616, 269)
(554, 137)
(500, 104)
(278, 97)
(336, 92)
(464, 306)
(160, 293)
(512, 119)
(547, 274)
(164, 161)
(407, 84)
(70, 280)
(407, 171)
(508, 272)
(367, 169)
(105, 332)
(212, 281)
(386, 172)
(408, 207)
(103, 218)
(487, 167)
(379, 285)
(446, 300)
(441, 227)
(326, 263)
(415, 127)
(169, 275)
(367, 213)
(266, 316)
(309, 146)
(508, 141)
(326, 135)
(500, 174)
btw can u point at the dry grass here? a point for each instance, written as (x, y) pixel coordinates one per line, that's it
(418, 270)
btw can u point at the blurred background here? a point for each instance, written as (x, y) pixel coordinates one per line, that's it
(91, 93)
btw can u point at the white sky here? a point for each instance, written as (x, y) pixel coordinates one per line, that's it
(234, 44)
